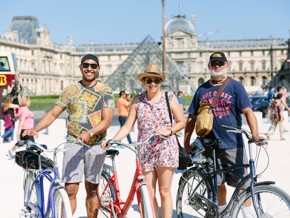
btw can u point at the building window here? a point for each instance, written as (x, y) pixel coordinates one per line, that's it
(240, 53)
(32, 52)
(264, 81)
(263, 52)
(61, 85)
(240, 66)
(252, 64)
(252, 53)
(229, 54)
(200, 81)
(264, 65)
(253, 81)
(241, 80)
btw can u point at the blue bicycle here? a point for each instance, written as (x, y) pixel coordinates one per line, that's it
(197, 194)
(40, 172)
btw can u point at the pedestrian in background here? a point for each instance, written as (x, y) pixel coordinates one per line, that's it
(180, 94)
(26, 122)
(9, 119)
(159, 157)
(90, 107)
(271, 94)
(123, 110)
(277, 116)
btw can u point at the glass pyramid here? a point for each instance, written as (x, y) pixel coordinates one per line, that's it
(147, 52)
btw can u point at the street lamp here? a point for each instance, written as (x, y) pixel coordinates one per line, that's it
(163, 39)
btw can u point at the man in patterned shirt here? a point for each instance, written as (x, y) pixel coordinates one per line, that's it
(90, 106)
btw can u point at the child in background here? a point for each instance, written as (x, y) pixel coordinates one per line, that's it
(8, 111)
(26, 121)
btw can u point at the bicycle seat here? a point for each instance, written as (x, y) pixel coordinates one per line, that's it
(112, 152)
(209, 142)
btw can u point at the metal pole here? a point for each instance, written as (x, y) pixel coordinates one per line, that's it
(163, 39)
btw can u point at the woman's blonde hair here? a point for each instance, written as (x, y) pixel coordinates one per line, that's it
(24, 101)
(7, 102)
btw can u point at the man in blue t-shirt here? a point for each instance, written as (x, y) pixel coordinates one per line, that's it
(232, 102)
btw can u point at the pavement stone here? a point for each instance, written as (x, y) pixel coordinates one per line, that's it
(11, 175)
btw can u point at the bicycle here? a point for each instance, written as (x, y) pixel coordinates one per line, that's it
(197, 193)
(40, 171)
(109, 191)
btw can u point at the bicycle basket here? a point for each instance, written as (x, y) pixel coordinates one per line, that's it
(30, 160)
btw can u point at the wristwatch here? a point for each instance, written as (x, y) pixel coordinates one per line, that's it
(91, 133)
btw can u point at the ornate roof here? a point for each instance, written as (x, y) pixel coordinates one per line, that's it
(179, 23)
(26, 27)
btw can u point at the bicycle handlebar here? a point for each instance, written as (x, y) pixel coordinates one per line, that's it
(41, 147)
(247, 133)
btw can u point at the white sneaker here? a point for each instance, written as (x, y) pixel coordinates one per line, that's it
(10, 154)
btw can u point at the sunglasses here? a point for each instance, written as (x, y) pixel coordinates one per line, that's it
(93, 66)
(156, 81)
(217, 63)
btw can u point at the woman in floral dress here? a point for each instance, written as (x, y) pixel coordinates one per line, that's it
(159, 158)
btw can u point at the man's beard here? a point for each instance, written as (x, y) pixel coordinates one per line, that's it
(218, 76)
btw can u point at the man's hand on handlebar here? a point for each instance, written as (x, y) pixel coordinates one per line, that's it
(30, 132)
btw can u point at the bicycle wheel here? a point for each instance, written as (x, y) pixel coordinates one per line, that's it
(271, 202)
(107, 197)
(31, 192)
(62, 206)
(193, 194)
(147, 210)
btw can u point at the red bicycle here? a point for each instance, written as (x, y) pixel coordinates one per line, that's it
(109, 191)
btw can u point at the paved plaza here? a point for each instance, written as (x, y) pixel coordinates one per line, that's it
(11, 175)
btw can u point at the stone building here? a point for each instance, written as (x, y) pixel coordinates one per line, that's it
(46, 67)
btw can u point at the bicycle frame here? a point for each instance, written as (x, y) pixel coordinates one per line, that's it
(122, 207)
(34, 182)
(211, 176)
(38, 183)
(139, 186)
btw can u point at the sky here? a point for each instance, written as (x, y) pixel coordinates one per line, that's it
(130, 21)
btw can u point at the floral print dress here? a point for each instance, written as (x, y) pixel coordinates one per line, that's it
(158, 152)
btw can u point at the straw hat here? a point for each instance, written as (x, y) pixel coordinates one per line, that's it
(151, 71)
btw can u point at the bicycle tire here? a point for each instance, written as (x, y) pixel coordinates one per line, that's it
(106, 197)
(62, 206)
(194, 195)
(28, 180)
(146, 204)
(274, 201)
(31, 191)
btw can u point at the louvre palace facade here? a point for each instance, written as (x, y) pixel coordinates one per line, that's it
(46, 67)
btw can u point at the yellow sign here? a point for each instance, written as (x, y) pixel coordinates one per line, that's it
(3, 80)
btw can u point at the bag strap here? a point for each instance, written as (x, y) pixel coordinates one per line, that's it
(219, 92)
(168, 107)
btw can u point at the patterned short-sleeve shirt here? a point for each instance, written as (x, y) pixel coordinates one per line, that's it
(84, 106)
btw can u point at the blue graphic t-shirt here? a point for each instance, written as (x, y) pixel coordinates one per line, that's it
(227, 111)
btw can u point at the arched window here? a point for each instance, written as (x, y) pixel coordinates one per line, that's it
(263, 65)
(200, 81)
(240, 66)
(61, 85)
(264, 81)
(253, 81)
(241, 80)
(252, 66)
